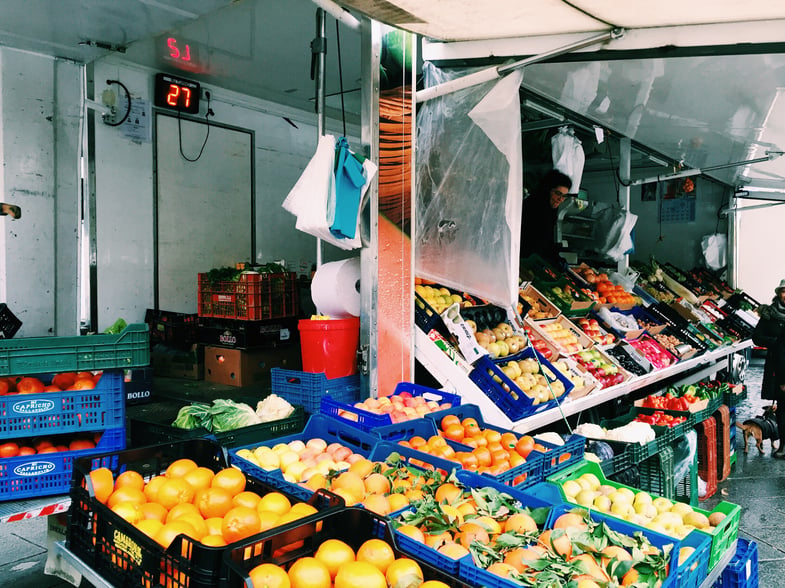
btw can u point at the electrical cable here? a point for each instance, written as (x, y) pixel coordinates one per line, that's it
(340, 75)
(207, 135)
(128, 97)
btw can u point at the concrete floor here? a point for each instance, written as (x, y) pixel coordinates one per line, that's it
(757, 483)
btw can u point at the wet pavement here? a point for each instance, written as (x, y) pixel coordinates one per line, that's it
(757, 483)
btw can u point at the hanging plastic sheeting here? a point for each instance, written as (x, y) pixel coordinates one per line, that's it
(715, 250)
(469, 186)
(320, 210)
(612, 232)
(568, 156)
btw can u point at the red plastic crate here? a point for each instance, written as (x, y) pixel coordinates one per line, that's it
(722, 427)
(707, 455)
(253, 297)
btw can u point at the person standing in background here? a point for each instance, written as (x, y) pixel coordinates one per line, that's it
(540, 213)
(770, 333)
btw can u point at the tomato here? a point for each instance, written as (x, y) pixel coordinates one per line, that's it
(10, 449)
(30, 385)
(64, 380)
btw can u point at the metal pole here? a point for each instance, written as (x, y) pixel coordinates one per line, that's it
(492, 73)
(319, 48)
(625, 151)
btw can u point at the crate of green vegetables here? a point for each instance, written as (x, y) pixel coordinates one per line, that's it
(231, 423)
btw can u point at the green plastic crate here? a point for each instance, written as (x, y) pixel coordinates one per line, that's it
(46, 355)
(656, 474)
(687, 488)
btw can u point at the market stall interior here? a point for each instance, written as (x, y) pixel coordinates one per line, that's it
(474, 416)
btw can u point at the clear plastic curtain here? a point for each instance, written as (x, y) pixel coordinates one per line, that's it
(469, 187)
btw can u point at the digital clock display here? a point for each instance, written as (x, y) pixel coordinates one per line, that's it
(176, 93)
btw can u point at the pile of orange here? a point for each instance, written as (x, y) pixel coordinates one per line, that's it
(613, 293)
(48, 444)
(60, 383)
(336, 565)
(213, 508)
(492, 452)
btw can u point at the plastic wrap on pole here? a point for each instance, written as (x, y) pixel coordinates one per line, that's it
(469, 186)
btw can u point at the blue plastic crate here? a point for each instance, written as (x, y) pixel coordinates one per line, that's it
(742, 570)
(45, 474)
(490, 379)
(693, 571)
(318, 426)
(469, 480)
(405, 430)
(307, 389)
(103, 407)
(384, 449)
(369, 421)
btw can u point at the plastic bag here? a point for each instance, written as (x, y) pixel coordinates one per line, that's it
(715, 250)
(469, 186)
(568, 156)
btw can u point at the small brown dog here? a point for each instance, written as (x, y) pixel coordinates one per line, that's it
(761, 428)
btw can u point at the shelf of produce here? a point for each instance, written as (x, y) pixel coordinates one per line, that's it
(454, 379)
(19, 510)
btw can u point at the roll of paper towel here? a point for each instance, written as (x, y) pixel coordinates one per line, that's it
(335, 288)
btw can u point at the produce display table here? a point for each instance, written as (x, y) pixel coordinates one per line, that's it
(454, 379)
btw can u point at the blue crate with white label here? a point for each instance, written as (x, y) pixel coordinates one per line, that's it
(103, 407)
(742, 569)
(47, 474)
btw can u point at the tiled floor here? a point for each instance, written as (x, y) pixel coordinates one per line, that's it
(757, 484)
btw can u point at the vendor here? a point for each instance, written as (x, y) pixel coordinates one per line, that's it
(771, 334)
(540, 211)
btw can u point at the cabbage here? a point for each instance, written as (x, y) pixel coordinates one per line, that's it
(193, 416)
(228, 415)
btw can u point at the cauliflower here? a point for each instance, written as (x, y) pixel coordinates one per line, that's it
(273, 408)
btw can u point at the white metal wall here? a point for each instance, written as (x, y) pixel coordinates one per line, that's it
(40, 118)
(760, 243)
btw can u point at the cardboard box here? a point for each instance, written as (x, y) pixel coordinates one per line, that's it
(138, 385)
(173, 363)
(244, 367)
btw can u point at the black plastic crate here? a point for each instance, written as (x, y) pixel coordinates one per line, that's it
(123, 555)
(173, 329)
(656, 474)
(351, 525)
(9, 324)
(246, 334)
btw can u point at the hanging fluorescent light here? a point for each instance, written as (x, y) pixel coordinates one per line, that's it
(531, 105)
(698, 171)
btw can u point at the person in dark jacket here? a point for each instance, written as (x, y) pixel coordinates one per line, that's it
(773, 386)
(540, 211)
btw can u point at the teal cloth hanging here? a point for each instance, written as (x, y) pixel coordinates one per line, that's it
(349, 180)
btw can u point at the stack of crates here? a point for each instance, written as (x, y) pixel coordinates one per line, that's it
(687, 488)
(44, 432)
(656, 474)
(707, 455)
(722, 427)
(742, 570)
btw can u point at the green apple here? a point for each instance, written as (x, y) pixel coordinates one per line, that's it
(602, 503)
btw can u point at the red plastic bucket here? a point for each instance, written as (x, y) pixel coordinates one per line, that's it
(330, 346)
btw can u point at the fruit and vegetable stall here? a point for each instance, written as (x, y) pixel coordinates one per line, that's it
(460, 486)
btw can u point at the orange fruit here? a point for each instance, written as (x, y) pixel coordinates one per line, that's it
(212, 540)
(520, 522)
(181, 509)
(360, 574)
(269, 575)
(268, 520)
(81, 384)
(153, 511)
(376, 483)
(180, 467)
(501, 569)
(348, 497)
(377, 503)
(199, 477)
(453, 550)
(152, 486)
(230, 479)
(352, 483)
(361, 467)
(128, 511)
(197, 522)
(398, 501)
(436, 540)
(377, 553)
(213, 502)
(102, 481)
(412, 531)
(126, 494)
(303, 509)
(309, 572)
(174, 491)
(246, 498)
(168, 532)
(129, 478)
(274, 502)
(630, 578)
(240, 522)
(448, 493)
(149, 527)
(214, 525)
(433, 584)
(334, 553)
(525, 445)
(556, 540)
(520, 557)
(570, 520)
(469, 532)
(403, 572)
